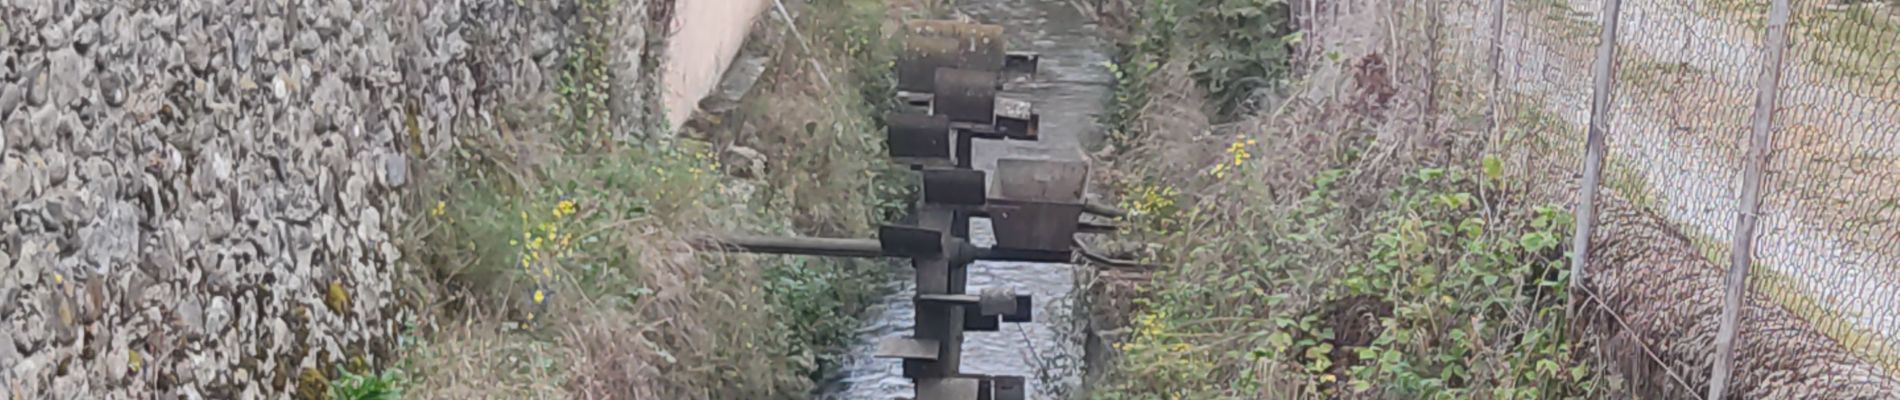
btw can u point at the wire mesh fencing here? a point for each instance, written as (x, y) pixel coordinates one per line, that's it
(1829, 249)
(1823, 280)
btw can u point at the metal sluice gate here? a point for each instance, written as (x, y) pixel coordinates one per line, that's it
(949, 73)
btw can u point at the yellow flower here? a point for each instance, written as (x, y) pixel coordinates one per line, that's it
(538, 298)
(441, 207)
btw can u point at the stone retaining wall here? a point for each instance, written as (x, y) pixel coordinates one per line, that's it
(201, 199)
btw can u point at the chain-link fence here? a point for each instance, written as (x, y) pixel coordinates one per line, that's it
(1830, 241)
(1685, 83)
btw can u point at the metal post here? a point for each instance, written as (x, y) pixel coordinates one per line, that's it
(1605, 82)
(1497, 67)
(1743, 250)
(942, 323)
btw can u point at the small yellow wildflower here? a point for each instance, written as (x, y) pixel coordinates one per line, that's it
(441, 207)
(538, 298)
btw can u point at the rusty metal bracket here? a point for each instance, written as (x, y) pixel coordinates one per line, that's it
(1012, 307)
(1034, 225)
(999, 387)
(984, 39)
(909, 241)
(919, 60)
(909, 348)
(1022, 63)
(1057, 181)
(930, 45)
(955, 187)
(965, 95)
(919, 139)
(1038, 203)
(1016, 119)
(951, 388)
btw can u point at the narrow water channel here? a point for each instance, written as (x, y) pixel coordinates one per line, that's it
(1070, 91)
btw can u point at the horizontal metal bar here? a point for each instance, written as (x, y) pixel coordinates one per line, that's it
(1081, 227)
(908, 348)
(956, 299)
(1021, 255)
(1091, 227)
(1103, 210)
(1093, 257)
(864, 248)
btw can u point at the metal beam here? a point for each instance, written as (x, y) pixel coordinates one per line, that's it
(1741, 254)
(863, 248)
(1599, 127)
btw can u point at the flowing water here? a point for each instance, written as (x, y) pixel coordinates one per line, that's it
(1072, 86)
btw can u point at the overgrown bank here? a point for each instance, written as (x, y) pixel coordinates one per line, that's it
(555, 248)
(1356, 235)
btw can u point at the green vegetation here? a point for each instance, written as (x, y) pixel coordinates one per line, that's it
(1447, 297)
(1236, 48)
(1308, 261)
(382, 386)
(554, 254)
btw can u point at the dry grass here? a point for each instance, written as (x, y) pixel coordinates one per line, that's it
(627, 311)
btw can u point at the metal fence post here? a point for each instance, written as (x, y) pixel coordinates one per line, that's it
(1497, 68)
(1742, 252)
(1605, 82)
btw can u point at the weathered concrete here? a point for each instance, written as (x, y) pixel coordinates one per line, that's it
(707, 35)
(199, 199)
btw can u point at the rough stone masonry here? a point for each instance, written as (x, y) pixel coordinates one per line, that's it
(200, 199)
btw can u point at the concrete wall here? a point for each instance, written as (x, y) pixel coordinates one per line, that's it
(200, 198)
(706, 37)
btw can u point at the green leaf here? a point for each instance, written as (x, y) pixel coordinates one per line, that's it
(1280, 341)
(1361, 385)
(1547, 366)
(1493, 167)
(1295, 38)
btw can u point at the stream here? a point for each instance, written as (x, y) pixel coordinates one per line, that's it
(1069, 92)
